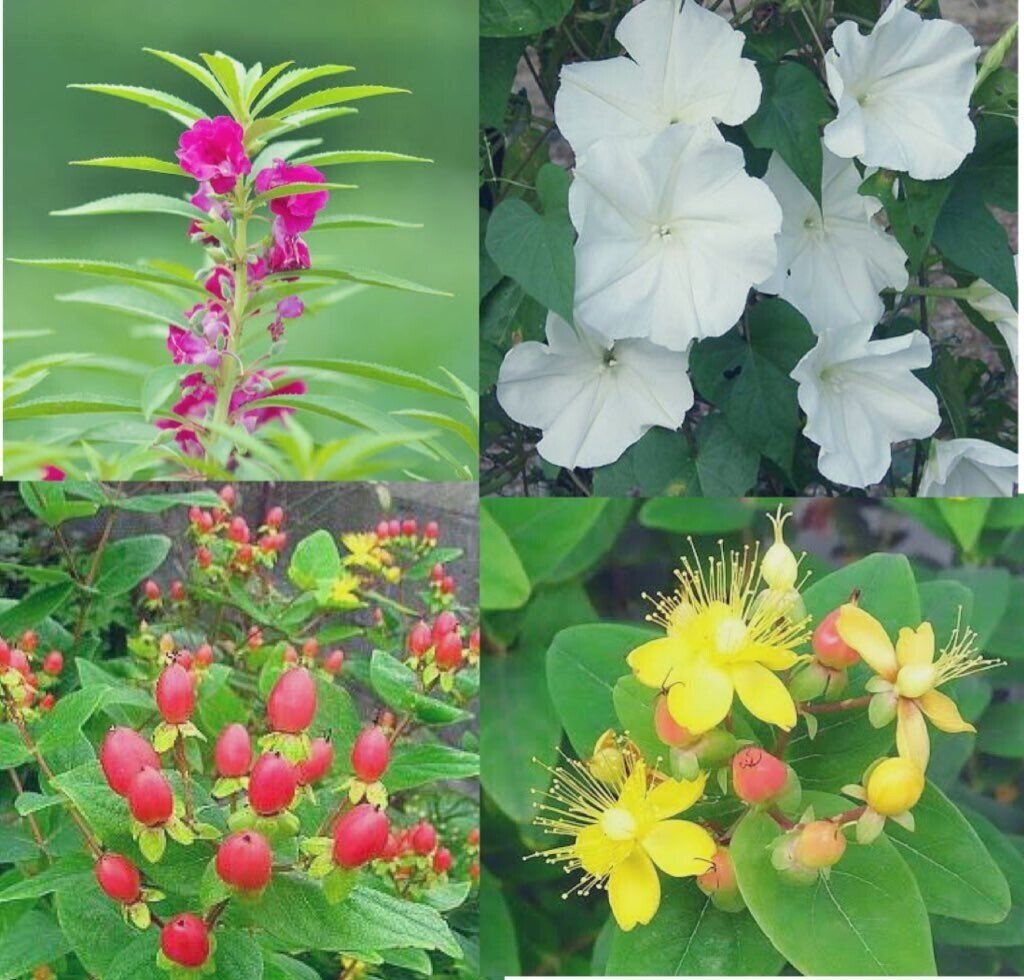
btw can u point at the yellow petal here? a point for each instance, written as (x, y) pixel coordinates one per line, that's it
(675, 795)
(867, 636)
(912, 734)
(680, 848)
(764, 695)
(701, 699)
(597, 852)
(634, 789)
(943, 712)
(915, 647)
(634, 890)
(774, 658)
(655, 663)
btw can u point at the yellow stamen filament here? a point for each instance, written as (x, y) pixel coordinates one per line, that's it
(960, 656)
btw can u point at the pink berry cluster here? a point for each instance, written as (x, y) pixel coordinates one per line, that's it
(28, 681)
(438, 650)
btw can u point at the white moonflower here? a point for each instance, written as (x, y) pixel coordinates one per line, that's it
(593, 399)
(860, 397)
(685, 67)
(995, 307)
(833, 259)
(903, 92)
(968, 468)
(672, 235)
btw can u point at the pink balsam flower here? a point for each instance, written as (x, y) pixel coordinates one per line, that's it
(245, 399)
(213, 150)
(296, 211)
(288, 251)
(187, 348)
(205, 201)
(53, 473)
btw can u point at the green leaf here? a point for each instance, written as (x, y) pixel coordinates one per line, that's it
(226, 73)
(126, 562)
(68, 871)
(696, 516)
(137, 204)
(298, 187)
(339, 157)
(374, 372)
(499, 58)
(146, 164)
(954, 871)
(584, 664)
(183, 111)
(1001, 732)
(634, 707)
(64, 724)
(333, 221)
(536, 249)
(32, 940)
(353, 275)
(296, 77)
(965, 517)
(113, 270)
(866, 918)
(53, 405)
(336, 712)
(506, 18)
(157, 388)
(398, 686)
(127, 299)
(415, 765)
(337, 96)
(912, 211)
(503, 581)
(93, 926)
(197, 71)
(658, 465)
(49, 502)
(726, 467)
(465, 432)
(497, 930)
(690, 937)
(793, 109)
(315, 558)
(29, 612)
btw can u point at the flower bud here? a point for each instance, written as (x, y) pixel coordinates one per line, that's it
(779, 566)
(820, 844)
(757, 776)
(607, 764)
(829, 647)
(882, 708)
(716, 748)
(894, 786)
(719, 883)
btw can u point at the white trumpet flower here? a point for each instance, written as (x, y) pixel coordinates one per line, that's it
(968, 468)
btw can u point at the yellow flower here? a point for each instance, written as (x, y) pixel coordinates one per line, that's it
(909, 676)
(364, 551)
(621, 826)
(894, 786)
(344, 590)
(723, 637)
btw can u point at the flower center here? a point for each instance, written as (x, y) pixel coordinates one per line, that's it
(664, 232)
(915, 680)
(618, 823)
(730, 636)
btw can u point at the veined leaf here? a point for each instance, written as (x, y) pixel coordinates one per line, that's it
(62, 405)
(197, 71)
(147, 164)
(113, 270)
(368, 278)
(463, 431)
(375, 372)
(127, 299)
(337, 157)
(299, 187)
(136, 204)
(183, 111)
(297, 77)
(265, 79)
(336, 96)
(359, 221)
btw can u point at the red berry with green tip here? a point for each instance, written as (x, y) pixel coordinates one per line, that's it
(29, 641)
(292, 702)
(204, 655)
(321, 758)
(420, 639)
(272, 785)
(275, 517)
(150, 798)
(382, 531)
(408, 527)
(204, 557)
(123, 754)
(244, 861)
(228, 495)
(233, 752)
(185, 940)
(756, 775)
(152, 590)
(176, 693)
(394, 527)
(430, 531)
(423, 838)
(178, 591)
(445, 623)
(20, 662)
(371, 754)
(360, 836)
(119, 878)
(473, 837)
(5, 654)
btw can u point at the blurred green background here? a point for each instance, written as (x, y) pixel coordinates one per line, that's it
(429, 48)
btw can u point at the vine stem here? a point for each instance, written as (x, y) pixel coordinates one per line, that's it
(829, 706)
(30, 817)
(948, 292)
(181, 763)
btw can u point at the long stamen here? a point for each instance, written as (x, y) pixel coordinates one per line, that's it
(960, 656)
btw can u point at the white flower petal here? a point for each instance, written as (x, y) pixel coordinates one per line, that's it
(903, 93)
(672, 235)
(860, 397)
(838, 244)
(995, 307)
(685, 65)
(968, 468)
(592, 400)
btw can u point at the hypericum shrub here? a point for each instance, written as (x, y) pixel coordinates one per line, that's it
(255, 194)
(259, 780)
(772, 750)
(720, 237)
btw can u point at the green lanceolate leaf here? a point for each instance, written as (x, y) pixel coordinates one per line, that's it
(298, 187)
(29, 612)
(137, 204)
(146, 164)
(333, 221)
(340, 157)
(374, 372)
(296, 77)
(503, 581)
(281, 150)
(866, 918)
(183, 111)
(197, 71)
(125, 563)
(336, 96)
(58, 405)
(113, 270)
(227, 72)
(465, 432)
(366, 278)
(398, 686)
(414, 765)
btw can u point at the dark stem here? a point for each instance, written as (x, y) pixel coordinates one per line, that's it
(830, 706)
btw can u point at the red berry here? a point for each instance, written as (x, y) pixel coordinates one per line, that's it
(178, 591)
(275, 517)
(175, 694)
(446, 622)
(119, 878)
(150, 798)
(371, 754)
(437, 573)
(53, 663)
(820, 844)
(321, 758)
(152, 590)
(184, 658)
(409, 527)
(272, 785)
(474, 640)
(394, 527)
(5, 654)
(360, 836)
(244, 861)
(291, 655)
(473, 837)
(185, 940)
(194, 514)
(122, 755)
(47, 703)
(391, 848)
(828, 645)
(420, 639)
(28, 698)
(720, 877)
(448, 585)
(227, 494)
(204, 655)
(474, 870)
(442, 860)
(19, 661)
(423, 838)
(668, 729)
(310, 648)
(430, 531)
(333, 661)
(448, 653)
(756, 775)
(233, 752)
(382, 531)
(243, 556)
(292, 702)
(29, 641)
(204, 557)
